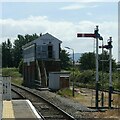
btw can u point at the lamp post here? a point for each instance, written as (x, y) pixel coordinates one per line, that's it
(110, 71)
(73, 70)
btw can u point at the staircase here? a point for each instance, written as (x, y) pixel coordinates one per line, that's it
(42, 75)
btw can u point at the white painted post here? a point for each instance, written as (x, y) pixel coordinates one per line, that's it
(97, 67)
(7, 88)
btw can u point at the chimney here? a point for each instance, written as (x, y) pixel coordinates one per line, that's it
(40, 34)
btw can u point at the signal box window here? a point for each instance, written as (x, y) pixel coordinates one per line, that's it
(50, 51)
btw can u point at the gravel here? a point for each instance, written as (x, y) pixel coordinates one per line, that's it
(72, 107)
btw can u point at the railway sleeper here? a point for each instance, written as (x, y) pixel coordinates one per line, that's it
(42, 106)
(50, 112)
(54, 117)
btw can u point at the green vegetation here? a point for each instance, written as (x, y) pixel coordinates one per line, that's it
(12, 53)
(16, 77)
(84, 74)
(87, 62)
(65, 60)
(65, 92)
(87, 79)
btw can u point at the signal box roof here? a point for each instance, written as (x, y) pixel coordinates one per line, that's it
(43, 37)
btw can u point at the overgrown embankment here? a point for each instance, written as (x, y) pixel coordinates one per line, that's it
(16, 77)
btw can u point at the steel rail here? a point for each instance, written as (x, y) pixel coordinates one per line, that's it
(65, 115)
(22, 97)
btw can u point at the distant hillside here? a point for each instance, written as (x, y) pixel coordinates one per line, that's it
(76, 55)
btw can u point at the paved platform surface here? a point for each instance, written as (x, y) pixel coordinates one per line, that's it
(19, 109)
(7, 110)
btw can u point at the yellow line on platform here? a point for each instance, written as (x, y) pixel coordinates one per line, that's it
(8, 111)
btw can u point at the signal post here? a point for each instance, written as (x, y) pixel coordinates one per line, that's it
(97, 36)
(109, 47)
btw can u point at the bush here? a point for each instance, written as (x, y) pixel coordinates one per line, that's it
(75, 76)
(13, 72)
(65, 92)
(20, 67)
(116, 80)
(87, 77)
(16, 77)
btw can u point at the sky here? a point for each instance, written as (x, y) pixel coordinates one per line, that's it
(63, 20)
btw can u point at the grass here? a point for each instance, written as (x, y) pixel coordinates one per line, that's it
(87, 97)
(65, 92)
(16, 77)
(116, 100)
(86, 100)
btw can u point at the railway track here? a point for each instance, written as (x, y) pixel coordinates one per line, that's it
(18, 95)
(116, 92)
(46, 109)
(104, 90)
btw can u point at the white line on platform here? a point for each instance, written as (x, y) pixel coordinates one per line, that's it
(33, 109)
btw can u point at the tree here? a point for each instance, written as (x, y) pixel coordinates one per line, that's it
(4, 54)
(104, 65)
(12, 54)
(17, 53)
(9, 53)
(7, 59)
(18, 43)
(87, 61)
(65, 60)
(20, 67)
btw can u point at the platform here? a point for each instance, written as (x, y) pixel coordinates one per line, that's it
(19, 109)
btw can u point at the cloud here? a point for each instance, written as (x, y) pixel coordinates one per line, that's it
(77, 6)
(63, 30)
(73, 7)
(89, 14)
(60, 1)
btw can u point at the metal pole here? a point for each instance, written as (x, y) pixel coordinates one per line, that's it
(35, 63)
(110, 74)
(97, 77)
(102, 94)
(73, 73)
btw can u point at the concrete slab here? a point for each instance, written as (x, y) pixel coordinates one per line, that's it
(20, 109)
